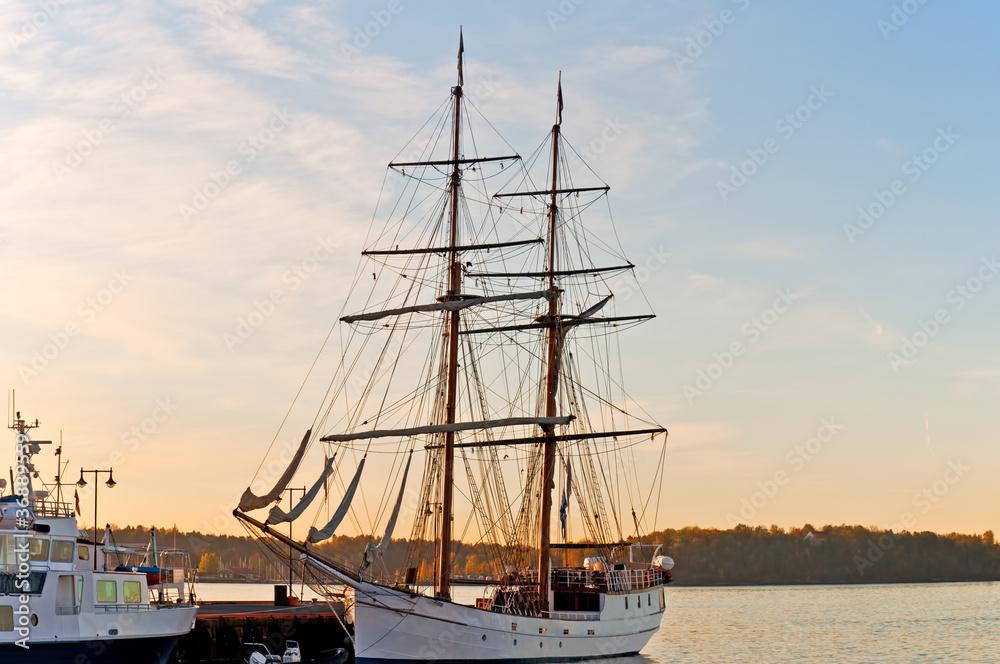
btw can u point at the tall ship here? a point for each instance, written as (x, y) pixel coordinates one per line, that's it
(476, 371)
(63, 597)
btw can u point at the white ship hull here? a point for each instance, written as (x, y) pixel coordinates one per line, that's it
(393, 626)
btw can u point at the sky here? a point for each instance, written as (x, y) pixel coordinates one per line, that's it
(807, 190)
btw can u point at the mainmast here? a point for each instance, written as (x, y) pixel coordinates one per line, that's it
(454, 318)
(553, 359)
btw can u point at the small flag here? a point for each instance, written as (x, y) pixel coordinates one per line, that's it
(461, 50)
(76, 497)
(559, 101)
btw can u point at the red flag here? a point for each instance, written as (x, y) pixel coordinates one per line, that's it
(76, 496)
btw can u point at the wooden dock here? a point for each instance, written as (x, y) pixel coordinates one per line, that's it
(222, 628)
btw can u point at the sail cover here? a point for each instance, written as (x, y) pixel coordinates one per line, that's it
(374, 551)
(249, 501)
(444, 428)
(338, 516)
(277, 515)
(452, 305)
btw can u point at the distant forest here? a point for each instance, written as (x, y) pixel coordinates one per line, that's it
(743, 555)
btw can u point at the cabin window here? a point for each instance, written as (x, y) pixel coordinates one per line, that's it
(83, 552)
(133, 592)
(39, 549)
(663, 602)
(649, 600)
(513, 626)
(62, 551)
(626, 602)
(590, 632)
(6, 618)
(107, 592)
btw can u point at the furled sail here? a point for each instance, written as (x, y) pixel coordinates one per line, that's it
(338, 516)
(249, 501)
(444, 428)
(374, 551)
(452, 305)
(277, 515)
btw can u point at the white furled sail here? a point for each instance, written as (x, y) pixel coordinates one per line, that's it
(249, 501)
(445, 428)
(338, 516)
(374, 551)
(452, 305)
(277, 515)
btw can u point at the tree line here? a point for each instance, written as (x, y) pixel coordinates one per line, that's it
(744, 555)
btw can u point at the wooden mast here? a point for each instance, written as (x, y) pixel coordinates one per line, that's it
(454, 318)
(555, 343)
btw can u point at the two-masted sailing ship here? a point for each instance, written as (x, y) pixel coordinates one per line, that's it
(483, 333)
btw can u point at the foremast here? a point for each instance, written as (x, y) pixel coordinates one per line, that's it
(552, 362)
(443, 581)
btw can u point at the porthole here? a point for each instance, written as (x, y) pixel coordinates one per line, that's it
(560, 644)
(515, 642)
(34, 619)
(539, 644)
(484, 637)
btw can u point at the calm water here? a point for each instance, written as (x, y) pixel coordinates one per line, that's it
(897, 624)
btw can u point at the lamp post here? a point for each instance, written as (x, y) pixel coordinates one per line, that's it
(291, 498)
(111, 485)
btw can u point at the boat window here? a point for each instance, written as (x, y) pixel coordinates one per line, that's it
(6, 618)
(626, 602)
(133, 592)
(79, 588)
(83, 552)
(107, 592)
(39, 548)
(8, 553)
(62, 551)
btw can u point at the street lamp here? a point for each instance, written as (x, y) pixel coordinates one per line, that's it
(110, 484)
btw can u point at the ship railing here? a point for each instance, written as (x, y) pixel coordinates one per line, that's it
(614, 581)
(53, 510)
(135, 608)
